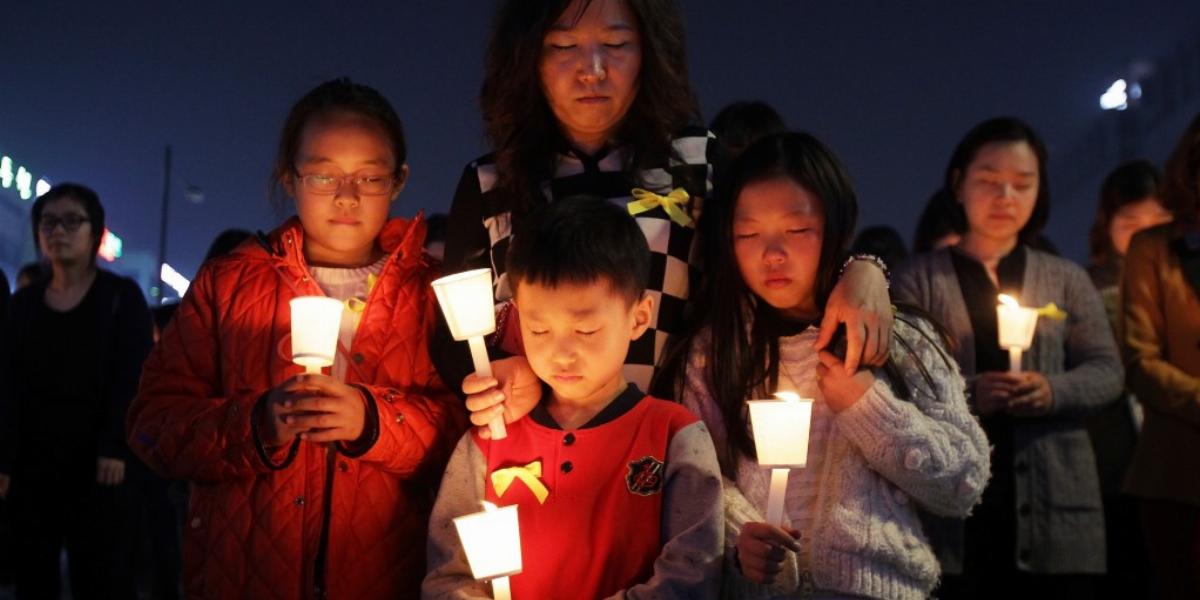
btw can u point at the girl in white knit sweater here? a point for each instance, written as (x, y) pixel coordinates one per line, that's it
(883, 445)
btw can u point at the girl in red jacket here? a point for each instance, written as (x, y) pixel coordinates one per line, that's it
(318, 485)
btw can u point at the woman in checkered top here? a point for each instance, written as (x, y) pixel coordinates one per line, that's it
(593, 97)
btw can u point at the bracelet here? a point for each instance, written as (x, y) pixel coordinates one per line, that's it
(871, 258)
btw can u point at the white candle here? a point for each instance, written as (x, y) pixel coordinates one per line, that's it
(780, 430)
(316, 321)
(1015, 325)
(466, 300)
(492, 542)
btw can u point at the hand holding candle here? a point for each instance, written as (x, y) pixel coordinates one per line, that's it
(492, 542)
(780, 430)
(466, 300)
(316, 321)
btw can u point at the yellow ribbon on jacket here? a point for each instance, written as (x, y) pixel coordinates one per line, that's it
(1052, 311)
(673, 203)
(528, 474)
(358, 305)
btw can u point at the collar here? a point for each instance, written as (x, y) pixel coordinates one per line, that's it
(623, 403)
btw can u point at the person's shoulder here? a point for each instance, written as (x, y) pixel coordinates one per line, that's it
(694, 144)
(1057, 266)
(673, 415)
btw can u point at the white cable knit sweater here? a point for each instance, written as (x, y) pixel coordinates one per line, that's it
(881, 456)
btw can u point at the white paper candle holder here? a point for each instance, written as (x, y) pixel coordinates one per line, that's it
(466, 301)
(780, 430)
(1016, 325)
(316, 322)
(491, 540)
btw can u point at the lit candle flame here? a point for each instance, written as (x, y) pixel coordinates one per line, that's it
(788, 396)
(1009, 301)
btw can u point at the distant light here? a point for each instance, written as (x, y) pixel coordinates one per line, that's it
(110, 246)
(6, 172)
(24, 183)
(1116, 98)
(41, 187)
(172, 278)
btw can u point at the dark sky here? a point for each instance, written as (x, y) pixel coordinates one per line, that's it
(92, 91)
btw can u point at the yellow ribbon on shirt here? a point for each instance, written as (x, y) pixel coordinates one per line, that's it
(1052, 311)
(358, 305)
(528, 474)
(673, 203)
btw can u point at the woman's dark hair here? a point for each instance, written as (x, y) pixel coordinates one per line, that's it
(226, 242)
(337, 96)
(86, 197)
(997, 130)
(1181, 190)
(882, 241)
(520, 125)
(1127, 184)
(934, 223)
(742, 123)
(743, 353)
(580, 240)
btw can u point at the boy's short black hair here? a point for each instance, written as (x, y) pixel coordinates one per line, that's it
(580, 240)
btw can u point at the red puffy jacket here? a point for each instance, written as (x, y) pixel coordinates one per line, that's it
(326, 524)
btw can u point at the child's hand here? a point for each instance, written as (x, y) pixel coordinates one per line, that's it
(841, 391)
(993, 390)
(1032, 395)
(316, 407)
(513, 390)
(761, 550)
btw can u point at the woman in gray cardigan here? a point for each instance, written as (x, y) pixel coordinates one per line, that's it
(1040, 527)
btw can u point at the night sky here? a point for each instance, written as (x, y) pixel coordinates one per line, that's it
(92, 91)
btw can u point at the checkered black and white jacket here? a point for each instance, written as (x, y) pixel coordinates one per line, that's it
(481, 225)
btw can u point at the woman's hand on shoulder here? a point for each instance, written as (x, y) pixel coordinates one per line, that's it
(861, 301)
(513, 390)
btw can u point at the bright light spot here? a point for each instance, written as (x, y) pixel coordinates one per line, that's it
(172, 278)
(24, 183)
(488, 506)
(788, 396)
(110, 246)
(41, 187)
(1007, 300)
(1116, 98)
(6, 171)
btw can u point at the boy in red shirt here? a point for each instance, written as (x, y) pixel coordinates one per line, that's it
(619, 493)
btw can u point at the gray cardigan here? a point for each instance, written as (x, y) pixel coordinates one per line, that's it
(1062, 531)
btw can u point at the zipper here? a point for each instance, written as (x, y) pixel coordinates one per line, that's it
(320, 585)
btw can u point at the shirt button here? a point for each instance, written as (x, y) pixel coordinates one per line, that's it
(567, 467)
(399, 418)
(343, 467)
(357, 358)
(195, 522)
(299, 500)
(568, 439)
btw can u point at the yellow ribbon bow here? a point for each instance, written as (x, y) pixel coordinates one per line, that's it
(358, 305)
(673, 203)
(1052, 311)
(529, 474)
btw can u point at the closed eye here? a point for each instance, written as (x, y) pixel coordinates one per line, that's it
(745, 236)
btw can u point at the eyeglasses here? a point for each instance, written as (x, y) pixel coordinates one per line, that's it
(372, 185)
(70, 223)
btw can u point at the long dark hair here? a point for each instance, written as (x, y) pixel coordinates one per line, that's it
(743, 354)
(1182, 187)
(1127, 184)
(334, 96)
(519, 123)
(997, 130)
